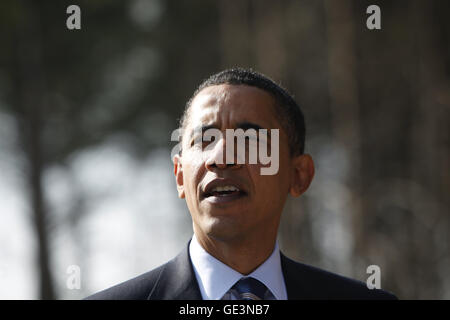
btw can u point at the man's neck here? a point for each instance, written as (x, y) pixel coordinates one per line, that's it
(243, 255)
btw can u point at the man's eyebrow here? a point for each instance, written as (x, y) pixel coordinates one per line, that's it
(248, 125)
(201, 128)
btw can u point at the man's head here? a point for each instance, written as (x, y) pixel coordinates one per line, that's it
(229, 202)
(287, 110)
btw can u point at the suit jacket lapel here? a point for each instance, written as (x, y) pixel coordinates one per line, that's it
(177, 280)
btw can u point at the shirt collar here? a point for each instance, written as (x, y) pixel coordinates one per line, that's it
(208, 270)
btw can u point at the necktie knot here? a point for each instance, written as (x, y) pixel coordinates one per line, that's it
(250, 289)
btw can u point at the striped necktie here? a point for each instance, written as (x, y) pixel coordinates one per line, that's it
(250, 288)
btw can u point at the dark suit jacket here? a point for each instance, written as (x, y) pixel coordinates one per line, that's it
(176, 280)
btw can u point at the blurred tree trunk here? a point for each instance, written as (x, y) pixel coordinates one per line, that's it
(29, 92)
(234, 33)
(344, 105)
(269, 46)
(428, 137)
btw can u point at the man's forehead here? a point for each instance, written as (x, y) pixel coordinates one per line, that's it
(205, 102)
(211, 97)
(245, 103)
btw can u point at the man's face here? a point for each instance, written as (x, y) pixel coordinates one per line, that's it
(257, 206)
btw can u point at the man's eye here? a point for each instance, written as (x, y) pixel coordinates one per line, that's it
(193, 142)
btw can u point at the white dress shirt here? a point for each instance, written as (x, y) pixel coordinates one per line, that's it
(215, 278)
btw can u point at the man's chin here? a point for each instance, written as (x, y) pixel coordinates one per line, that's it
(222, 228)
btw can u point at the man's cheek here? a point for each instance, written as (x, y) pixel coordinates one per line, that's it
(195, 160)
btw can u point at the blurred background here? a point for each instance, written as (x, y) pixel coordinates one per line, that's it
(86, 118)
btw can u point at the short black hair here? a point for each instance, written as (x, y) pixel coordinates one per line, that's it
(289, 113)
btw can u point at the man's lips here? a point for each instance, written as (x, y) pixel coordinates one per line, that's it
(221, 190)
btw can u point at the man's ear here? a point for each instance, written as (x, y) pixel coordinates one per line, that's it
(302, 175)
(178, 171)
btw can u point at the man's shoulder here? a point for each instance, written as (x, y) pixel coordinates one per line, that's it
(308, 282)
(173, 280)
(137, 288)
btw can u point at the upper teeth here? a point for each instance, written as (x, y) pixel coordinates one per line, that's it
(224, 188)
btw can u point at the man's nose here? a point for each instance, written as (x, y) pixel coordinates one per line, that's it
(217, 158)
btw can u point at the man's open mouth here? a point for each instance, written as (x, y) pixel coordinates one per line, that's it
(223, 191)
